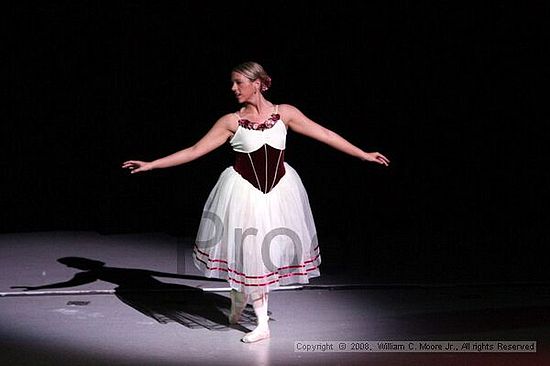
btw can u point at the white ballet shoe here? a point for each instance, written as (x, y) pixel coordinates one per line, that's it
(259, 333)
(262, 330)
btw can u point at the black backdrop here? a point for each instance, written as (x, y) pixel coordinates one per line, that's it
(452, 93)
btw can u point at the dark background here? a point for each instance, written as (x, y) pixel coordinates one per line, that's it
(453, 93)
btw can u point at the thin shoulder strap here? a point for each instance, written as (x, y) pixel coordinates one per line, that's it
(238, 116)
(276, 108)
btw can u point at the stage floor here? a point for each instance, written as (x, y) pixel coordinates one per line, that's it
(144, 308)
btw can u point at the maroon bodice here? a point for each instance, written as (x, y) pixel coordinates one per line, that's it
(263, 168)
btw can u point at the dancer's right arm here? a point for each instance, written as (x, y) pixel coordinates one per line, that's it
(217, 136)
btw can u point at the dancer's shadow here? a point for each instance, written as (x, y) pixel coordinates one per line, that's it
(164, 302)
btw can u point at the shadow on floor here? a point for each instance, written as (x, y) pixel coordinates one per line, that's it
(164, 302)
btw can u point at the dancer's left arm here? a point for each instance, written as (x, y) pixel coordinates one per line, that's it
(301, 124)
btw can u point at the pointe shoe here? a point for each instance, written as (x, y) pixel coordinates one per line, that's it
(261, 332)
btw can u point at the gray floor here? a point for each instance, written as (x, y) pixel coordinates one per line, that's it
(92, 324)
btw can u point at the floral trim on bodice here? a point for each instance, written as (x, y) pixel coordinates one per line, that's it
(270, 122)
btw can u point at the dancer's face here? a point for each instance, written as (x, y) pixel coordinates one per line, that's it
(242, 87)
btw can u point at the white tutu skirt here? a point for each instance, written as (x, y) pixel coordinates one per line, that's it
(257, 241)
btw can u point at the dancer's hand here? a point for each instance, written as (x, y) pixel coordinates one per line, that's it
(376, 157)
(137, 166)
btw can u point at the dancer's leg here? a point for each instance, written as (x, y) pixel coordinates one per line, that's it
(238, 303)
(259, 302)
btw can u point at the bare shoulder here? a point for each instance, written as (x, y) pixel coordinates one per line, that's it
(289, 113)
(287, 109)
(229, 121)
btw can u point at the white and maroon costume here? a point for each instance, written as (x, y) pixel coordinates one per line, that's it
(257, 229)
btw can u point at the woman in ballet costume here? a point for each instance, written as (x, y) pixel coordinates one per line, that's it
(257, 230)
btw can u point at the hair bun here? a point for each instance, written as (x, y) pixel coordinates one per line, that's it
(266, 83)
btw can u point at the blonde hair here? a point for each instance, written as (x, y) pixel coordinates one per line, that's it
(253, 71)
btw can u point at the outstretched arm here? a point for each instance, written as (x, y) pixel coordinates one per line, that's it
(299, 123)
(217, 136)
